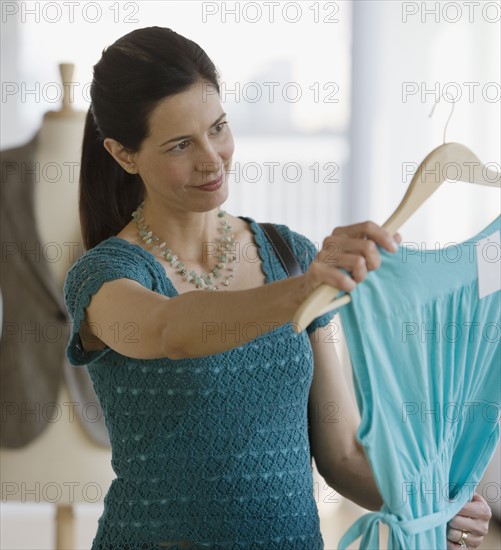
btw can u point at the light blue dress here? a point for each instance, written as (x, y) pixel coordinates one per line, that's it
(426, 358)
(213, 450)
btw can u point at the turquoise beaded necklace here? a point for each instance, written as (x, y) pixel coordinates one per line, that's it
(207, 281)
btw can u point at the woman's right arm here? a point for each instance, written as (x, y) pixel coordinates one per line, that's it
(143, 324)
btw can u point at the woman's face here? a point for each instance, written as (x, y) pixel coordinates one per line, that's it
(190, 144)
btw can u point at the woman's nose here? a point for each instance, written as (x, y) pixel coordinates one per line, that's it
(209, 160)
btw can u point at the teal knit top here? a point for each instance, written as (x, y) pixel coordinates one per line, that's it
(211, 451)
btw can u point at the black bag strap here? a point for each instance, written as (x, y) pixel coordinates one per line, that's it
(292, 268)
(282, 249)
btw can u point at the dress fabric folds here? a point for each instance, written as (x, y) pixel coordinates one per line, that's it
(425, 352)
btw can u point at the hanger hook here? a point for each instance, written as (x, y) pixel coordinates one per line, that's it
(450, 115)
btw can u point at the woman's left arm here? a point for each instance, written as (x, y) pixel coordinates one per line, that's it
(334, 418)
(341, 460)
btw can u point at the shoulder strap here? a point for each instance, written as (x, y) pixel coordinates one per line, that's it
(292, 268)
(282, 249)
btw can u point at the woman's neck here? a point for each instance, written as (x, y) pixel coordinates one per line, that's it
(192, 236)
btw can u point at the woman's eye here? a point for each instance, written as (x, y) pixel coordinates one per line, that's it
(181, 146)
(219, 127)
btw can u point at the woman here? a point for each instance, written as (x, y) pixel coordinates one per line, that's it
(205, 394)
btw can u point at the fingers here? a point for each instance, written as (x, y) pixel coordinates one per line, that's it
(454, 535)
(356, 265)
(472, 519)
(354, 249)
(334, 277)
(479, 508)
(477, 526)
(342, 251)
(369, 230)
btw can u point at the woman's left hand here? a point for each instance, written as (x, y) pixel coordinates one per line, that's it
(472, 519)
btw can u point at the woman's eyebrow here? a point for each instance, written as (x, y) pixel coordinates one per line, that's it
(180, 138)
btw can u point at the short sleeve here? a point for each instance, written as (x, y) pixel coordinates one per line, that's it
(105, 262)
(305, 253)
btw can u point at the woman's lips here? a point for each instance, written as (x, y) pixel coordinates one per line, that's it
(212, 185)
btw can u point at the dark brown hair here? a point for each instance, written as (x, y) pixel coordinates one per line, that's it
(133, 75)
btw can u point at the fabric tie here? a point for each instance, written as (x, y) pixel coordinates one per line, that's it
(367, 527)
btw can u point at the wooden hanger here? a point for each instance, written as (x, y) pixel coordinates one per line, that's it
(431, 173)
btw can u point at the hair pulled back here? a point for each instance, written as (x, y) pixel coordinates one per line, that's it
(133, 75)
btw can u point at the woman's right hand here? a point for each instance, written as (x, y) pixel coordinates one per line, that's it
(352, 248)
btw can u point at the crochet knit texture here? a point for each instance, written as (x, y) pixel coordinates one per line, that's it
(208, 452)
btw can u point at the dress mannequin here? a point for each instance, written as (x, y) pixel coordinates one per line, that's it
(63, 465)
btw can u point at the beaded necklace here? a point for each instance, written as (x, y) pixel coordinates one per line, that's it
(205, 281)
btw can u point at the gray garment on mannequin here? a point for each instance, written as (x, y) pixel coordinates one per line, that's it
(35, 324)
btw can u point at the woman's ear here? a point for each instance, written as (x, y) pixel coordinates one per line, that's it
(121, 155)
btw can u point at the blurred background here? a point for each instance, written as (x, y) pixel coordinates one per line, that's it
(329, 105)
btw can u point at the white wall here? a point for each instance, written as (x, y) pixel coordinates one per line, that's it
(420, 48)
